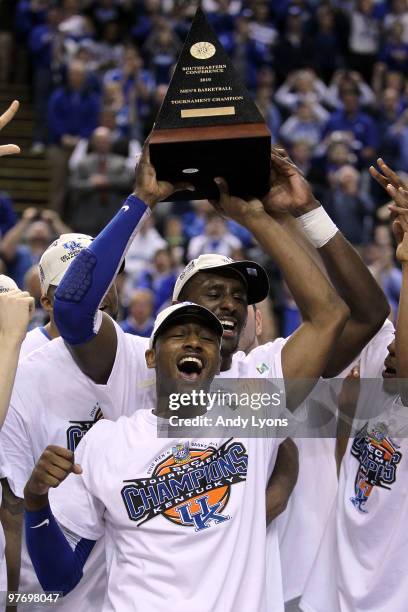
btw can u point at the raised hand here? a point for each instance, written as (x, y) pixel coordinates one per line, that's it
(147, 187)
(400, 198)
(16, 309)
(9, 149)
(236, 208)
(290, 192)
(52, 468)
(387, 176)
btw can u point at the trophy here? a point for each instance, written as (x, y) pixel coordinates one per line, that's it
(208, 125)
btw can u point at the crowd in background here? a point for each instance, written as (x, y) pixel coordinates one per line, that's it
(330, 78)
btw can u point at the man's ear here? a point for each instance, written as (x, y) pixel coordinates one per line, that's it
(46, 303)
(150, 356)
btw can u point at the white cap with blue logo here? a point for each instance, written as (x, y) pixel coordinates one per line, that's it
(56, 259)
(184, 310)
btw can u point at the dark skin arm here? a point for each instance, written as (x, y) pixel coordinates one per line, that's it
(347, 405)
(283, 479)
(11, 516)
(291, 193)
(324, 313)
(96, 357)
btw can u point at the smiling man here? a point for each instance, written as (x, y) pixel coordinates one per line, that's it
(160, 503)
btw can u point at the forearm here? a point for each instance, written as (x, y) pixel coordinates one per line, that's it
(401, 337)
(58, 567)
(315, 297)
(354, 282)
(11, 516)
(283, 479)
(12, 239)
(9, 354)
(92, 272)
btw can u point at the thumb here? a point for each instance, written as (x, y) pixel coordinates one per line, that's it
(76, 468)
(183, 187)
(222, 186)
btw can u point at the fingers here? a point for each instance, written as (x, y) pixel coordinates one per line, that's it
(400, 195)
(398, 210)
(183, 187)
(9, 149)
(145, 156)
(388, 176)
(9, 114)
(222, 187)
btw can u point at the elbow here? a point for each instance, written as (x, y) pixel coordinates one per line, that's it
(339, 313)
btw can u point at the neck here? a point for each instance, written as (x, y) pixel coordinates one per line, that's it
(52, 330)
(226, 362)
(165, 407)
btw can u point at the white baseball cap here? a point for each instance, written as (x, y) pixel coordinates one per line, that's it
(6, 284)
(253, 274)
(180, 311)
(56, 260)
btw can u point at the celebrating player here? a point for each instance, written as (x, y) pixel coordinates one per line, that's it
(354, 570)
(159, 501)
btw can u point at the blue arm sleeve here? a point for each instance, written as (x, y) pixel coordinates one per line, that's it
(58, 567)
(91, 273)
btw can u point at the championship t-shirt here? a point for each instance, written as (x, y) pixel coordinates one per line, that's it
(34, 339)
(53, 402)
(362, 564)
(183, 519)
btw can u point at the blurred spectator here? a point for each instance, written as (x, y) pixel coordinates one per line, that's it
(140, 320)
(295, 48)
(45, 46)
(398, 12)
(353, 120)
(269, 110)
(8, 217)
(394, 53)
(32, 285)
(73, 114)
(364, 38)
(7, 12)
(98, 185)
(302, 86)
(141, 251)
(261, 28)
(306, 124)
(162, 48)
(349, 209)
(247, 54)
(387, 117)
(382, 264)
(327, 49)
(137, 85)
(216, 239)
(345, 80)
(23, 245)
(160, 279)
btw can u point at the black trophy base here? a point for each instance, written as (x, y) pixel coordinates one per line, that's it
(239, 153)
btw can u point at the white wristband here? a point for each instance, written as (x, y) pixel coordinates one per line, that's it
(318, 226)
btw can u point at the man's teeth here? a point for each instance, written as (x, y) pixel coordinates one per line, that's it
(191, 360)
(227, 324)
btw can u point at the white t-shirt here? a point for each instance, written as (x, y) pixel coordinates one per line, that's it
(362, 562)
(34, 339)
(183, 520)
(53, 402)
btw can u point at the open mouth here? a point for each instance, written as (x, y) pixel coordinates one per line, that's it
(190, 368)
(230, 327)
(389, 373)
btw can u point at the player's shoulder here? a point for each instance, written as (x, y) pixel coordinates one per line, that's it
(261, 359)
(131, 341)
(374, 353)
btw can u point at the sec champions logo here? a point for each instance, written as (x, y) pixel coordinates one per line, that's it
(190, 486)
